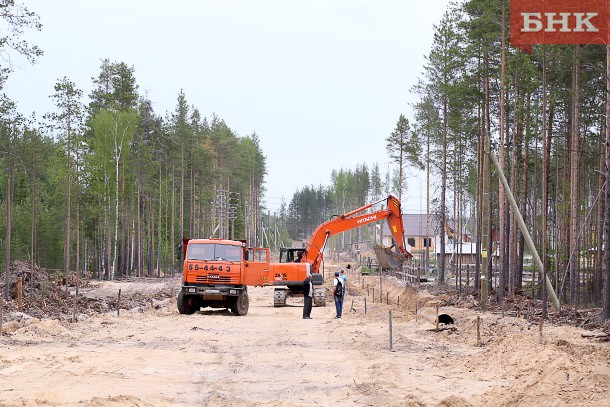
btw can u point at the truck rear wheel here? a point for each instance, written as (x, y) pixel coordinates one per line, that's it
(241, 304)
(187, 304)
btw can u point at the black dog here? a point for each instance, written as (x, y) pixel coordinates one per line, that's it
(445, 319)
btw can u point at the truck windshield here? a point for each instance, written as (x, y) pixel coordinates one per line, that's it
(207, 251)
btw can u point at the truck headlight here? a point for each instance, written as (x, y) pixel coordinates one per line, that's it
(191, 290)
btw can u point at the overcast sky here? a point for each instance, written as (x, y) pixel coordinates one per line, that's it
(322, 82)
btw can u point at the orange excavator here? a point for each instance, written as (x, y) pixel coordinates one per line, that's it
(313, 253)
(217, 272)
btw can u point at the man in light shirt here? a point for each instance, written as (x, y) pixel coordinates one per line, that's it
(343, 277)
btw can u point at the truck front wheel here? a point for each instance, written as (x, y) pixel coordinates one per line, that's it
(187, 304)
(241, 304)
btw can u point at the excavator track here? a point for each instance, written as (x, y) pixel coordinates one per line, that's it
(319, 297)
(279, 297)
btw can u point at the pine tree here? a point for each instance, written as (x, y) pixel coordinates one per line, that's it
(68, 122)
(403, 148)
(443, 73)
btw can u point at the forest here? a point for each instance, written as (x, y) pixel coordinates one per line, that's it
(110, 187)
(107, 186)
(545, 115)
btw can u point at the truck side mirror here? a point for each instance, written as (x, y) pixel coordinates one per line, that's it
(179, 252)
(247, 255)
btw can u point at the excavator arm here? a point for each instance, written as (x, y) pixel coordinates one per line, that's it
(314, 251)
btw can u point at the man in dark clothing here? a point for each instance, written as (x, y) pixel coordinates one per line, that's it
(307, 297)
(338, 294)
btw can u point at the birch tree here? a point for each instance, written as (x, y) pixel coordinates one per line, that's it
(116, 128)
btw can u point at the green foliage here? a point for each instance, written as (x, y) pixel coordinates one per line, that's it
(116, 88)
(309, 208)
(404, 148)
(16, 18)
(129, 167)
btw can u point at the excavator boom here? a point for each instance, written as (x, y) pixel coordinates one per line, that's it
(392, 213)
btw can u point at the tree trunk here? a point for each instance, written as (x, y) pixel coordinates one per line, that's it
(427, 255)
(151, 237)
(77, 262)
(546, 161)
(480, 156)
(545, 188)
(479, 211)
(599, 224)
(172, 235)
(488, 272)
(502, 219)
(192, 217)
(159, 227)
(9, 227)
(512, 220)
(116, 215)
(574, 162)
(107, 243)
(138, 244)
(181, 219)
(33, 220)
(606, 306)
(68, 215)
(524, 193)
(442, 217)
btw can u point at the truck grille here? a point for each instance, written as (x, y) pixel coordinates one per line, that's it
(213, 280)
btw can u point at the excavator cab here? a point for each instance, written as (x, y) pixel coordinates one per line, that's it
(291, 254)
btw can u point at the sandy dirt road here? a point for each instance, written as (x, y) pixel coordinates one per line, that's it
(273, 357)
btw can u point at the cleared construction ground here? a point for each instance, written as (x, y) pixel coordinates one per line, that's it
(149, 355)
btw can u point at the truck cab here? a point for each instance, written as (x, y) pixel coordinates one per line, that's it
(216, 273)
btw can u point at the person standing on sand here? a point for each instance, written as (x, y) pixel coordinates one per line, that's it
(307, 297)
(338, 294)
(343, 278)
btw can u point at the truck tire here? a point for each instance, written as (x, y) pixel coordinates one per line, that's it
(241, 304)
(187, 304)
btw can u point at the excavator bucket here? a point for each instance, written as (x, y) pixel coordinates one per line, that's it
(387, 258)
